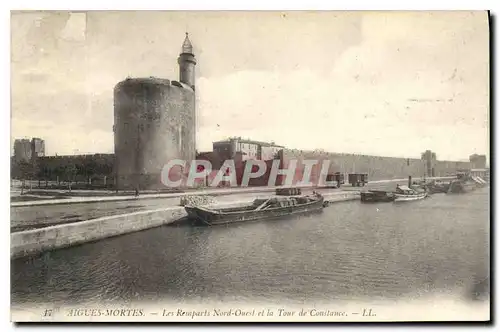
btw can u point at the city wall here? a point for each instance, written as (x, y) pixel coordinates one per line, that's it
(98, 168)
(446, 168)
(377, 168)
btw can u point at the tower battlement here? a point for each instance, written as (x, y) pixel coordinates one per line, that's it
(134, 81)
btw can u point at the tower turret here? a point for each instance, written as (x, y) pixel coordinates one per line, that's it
(187, 62)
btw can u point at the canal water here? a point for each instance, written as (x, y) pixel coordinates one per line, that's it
(349, 251)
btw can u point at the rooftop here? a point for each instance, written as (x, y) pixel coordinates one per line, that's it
(187, 47)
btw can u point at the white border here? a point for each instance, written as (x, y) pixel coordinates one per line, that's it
(174, 5)
(254, 5)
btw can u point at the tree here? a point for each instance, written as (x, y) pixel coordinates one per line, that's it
(25, 169)
(42, 172)
(58, 172)
(26, 172)
(70, 171)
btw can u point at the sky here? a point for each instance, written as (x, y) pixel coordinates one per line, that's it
(377, 83)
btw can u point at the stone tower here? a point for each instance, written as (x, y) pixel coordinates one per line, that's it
(154, 123)
(187, 62)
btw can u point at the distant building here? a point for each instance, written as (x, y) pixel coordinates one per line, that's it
(25, 149)
(249, 149)
(38, 147)
(22, 150)
(430, 160)
(478, 161)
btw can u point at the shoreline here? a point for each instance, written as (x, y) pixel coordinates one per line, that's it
(212, 192)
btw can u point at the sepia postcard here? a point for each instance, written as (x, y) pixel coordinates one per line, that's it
(250, 166)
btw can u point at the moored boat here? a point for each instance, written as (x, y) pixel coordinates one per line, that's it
(260, 209)
(375, 196)
(435, 187)
(404, 193)
(461, 186)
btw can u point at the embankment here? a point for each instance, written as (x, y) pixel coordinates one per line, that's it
(60, 236)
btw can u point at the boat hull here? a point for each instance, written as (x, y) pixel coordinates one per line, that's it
(377, 196)
(209, 218)
(441, 189)
(406, 198)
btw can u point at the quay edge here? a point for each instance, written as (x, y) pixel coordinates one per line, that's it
(212, 192)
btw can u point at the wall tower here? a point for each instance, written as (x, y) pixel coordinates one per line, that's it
(154, 124)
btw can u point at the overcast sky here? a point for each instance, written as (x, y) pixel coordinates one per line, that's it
(391, 84)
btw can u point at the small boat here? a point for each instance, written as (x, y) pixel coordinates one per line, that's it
(409, 197)
(376, 196)
(404, 193)
(435, 187)
(461, 186)
(260, 209)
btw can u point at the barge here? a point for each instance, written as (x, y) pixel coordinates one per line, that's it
(258, 210)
